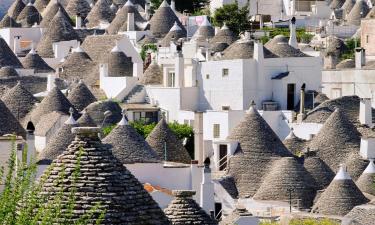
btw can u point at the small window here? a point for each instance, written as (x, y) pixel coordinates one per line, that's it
(216, 130)
(207, 76)
(225, 72)
(225, 107)
(367, 39)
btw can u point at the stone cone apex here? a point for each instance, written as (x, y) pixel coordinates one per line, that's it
(121, 195)
(128, 145)
(257, 137)
(54, 101)
(19, 101)
(366, 181)
(59, 29)
(287, 173)
(85, 120)
(80, 96)
(336, 140)
(100, 12)
(295, 144)
(51, 10)
(163, 140)
(184, 210)
(153, 75)
(34, 61)
(8, 123)
(119, 64)
(341, 196)
(16, 8)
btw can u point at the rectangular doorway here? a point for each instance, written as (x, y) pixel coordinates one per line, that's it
(291, 92)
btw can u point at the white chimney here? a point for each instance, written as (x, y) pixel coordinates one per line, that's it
(179, 69)
(293, 35)
(173, 5)
(78, 22)
(207, 199)
(367, 149)
(208, 54)
(147, 11)
(51, 82)
(258, 51)
(365, 112)
(198, 137)
(130, 23)
(360, 58)
(17, 45)
(103, 71)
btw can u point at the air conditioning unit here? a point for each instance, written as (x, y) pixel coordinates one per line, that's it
(270, 106)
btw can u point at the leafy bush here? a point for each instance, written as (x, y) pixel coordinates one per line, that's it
(146, 48)
(302, 35)
(21, 201)
(351, 44)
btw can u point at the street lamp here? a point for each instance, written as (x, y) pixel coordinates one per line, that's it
(290, 190)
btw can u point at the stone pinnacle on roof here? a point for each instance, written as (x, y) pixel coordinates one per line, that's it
(78, 7)
(341, 196)
(166, 144)
(286, 174)
(29, 16)
(294, 143)
(34, 61)
(184, 210)
(119, 64)
(153, 75)
(54, 101)
(163, 19)
(80, 96)
(19, 101)
(51, 10)
(100, 13)
(16, 8)
(7, 57)
(111, 185)
(59, 141)
(366, 181)
(59, 29)
(9, 123)
(128, 146)
(336, 140)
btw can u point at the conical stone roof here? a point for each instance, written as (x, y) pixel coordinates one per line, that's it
(319, 170)
(8, 21)
(205, 31)
(78, 65)
(8, 71)
(128, 146)
(7, 57)
(8, 123)
(294, 143)
(341, 196)
(40, 5)
(81, 96)
(29, 16)
(78, 7)
(361, 215)
(96, 111)
(163, 20)
(359, 11)
(287, 173)
(120, 194)
(258, 147)
(224, 35)
(19, 101)
(58, 30)
(275, 40)
(153, 75)
(336, 140)
(335, 46)
(51, 10)
(34, 61)
(58, 142)
(284, 50)
(174, 34)
(85, 120)
(54, 101)
(184, 210)
(16, 8)
(121, 17)
(147, 39)
(166, 144)
(366, 181)
(119, 64)
(100, 12)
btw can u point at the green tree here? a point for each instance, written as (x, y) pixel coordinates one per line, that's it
(236, 18)
(191, 6)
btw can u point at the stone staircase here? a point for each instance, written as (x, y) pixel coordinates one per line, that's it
(137, 95)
